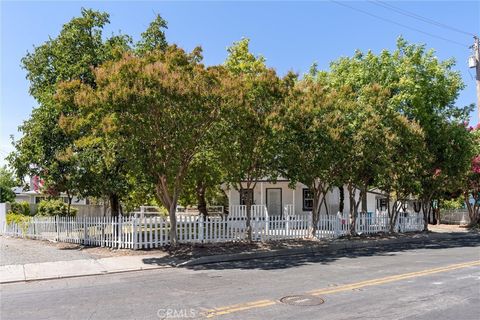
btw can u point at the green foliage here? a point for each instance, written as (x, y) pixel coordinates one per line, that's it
(253, 96)
(157, 110)
(203, 180)
(47, 148)
(308, 150)
(423, 90)
(22, 208)
(241, 61)
(7, 182)
(6, 194)
(20, 220)
(150, 123)
(154, 37)
(7, 178)
(471, 178)
(456, 203)
(55, 207)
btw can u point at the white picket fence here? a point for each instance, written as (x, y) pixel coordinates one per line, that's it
(135, 232)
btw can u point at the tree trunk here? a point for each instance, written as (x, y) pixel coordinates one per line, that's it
(393, 215)
(433, 212)
(342, 199)
(114, 205)
(248, 204)
(249, 219)
(353, 209)
(426, 207)
(325, 204)
(473, 210)
(201, 202)
(315, 213)
(69, 205)
(390, 215)
(437, 213)
(172, 214)
(364, 197)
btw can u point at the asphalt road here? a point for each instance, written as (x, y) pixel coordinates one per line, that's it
(440, 281)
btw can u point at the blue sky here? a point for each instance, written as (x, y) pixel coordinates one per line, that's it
(291, 36)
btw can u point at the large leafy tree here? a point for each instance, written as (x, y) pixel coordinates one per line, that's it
(159, 109)
(404, 156)
(423, 89)
(308, 150)
(60, 143)
(362, 136)
(253, 94)
(45, 149)
(471, 179)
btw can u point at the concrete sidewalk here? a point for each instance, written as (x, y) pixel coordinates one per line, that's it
(89, 267)
(75, 268)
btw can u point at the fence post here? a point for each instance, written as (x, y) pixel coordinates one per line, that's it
(201, 228)
(34, 236)
(57, 225)
(85, 231)
(309, 222)
(120, 231)
(287, 220)
(267, 222)
(134, 233)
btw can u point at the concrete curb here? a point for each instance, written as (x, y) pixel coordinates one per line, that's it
(327, 248)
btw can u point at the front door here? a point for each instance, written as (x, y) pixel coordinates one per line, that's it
(274, 201)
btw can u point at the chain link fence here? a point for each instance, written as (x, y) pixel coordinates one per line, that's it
(455, 216)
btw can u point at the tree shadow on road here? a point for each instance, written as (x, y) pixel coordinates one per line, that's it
(291, 261)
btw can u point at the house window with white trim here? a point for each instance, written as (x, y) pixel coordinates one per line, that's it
(307, 200)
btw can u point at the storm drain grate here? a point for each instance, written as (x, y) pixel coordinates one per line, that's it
(302, 300)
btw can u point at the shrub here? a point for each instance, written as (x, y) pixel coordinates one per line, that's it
(55, 207)
(456, 203)
(19, 219)
(22, 208)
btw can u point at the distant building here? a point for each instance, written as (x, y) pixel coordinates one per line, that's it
(34, 194)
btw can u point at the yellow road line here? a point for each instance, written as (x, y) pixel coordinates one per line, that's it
(264, 303)
(393, 278)
(240, 305)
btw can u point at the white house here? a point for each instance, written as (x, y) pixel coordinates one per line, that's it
(276, 196)
(34, 194)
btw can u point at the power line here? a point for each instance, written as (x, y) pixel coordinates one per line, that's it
(399, 24)
(417, 16)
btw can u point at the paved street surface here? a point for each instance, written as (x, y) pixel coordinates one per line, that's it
(440, 281)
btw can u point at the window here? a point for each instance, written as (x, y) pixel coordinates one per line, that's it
(307, 200)
(246, 194)
(382, 204)
(39, 199)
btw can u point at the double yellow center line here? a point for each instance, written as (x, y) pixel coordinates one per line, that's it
(265, 303)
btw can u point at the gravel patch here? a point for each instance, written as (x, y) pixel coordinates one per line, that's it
(22, 251)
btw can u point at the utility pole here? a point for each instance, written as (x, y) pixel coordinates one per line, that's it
(476, 49)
